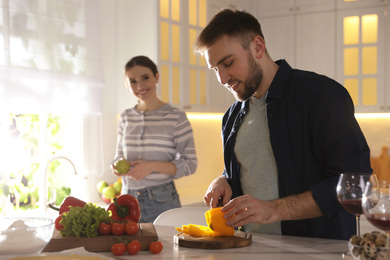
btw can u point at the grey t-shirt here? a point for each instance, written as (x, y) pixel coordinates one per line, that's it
(258, 169)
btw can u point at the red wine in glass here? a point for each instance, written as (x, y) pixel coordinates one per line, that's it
(350, 188)
(352, 206)
(379, 220)
(376, 208)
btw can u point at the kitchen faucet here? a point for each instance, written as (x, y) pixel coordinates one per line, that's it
(44, 197)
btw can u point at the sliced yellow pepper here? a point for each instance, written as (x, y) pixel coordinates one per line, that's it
(216, 226)
(217, 223)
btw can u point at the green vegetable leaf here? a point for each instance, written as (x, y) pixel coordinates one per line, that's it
(84, 221)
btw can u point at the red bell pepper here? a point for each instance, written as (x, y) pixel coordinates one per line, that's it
(125, 207)
(68, 201)
(58, 225)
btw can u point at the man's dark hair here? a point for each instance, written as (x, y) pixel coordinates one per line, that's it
(233, 23)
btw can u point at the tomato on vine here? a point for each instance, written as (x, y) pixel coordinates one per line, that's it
(155, 247)
(117, 229)
(104, 229)
(134, 247)
(118, 249)
(131, 228)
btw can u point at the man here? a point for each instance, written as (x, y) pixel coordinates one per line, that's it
(286, 139)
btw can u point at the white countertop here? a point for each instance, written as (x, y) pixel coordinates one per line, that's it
(270, 247)
(263, 246)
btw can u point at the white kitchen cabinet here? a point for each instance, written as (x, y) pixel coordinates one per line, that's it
(348, 5)
(279, 36)
(311, 6)
(315, 43)
(267, 8)
(361, 57)
(306, 41)
(216, 5)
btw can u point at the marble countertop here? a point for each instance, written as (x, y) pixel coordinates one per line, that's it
(263, 246)
(270, 247)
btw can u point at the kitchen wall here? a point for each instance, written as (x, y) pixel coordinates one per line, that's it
(377, 133)
(208, 144)
(129, 29)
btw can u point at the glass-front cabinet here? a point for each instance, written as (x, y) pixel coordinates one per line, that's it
(361, 57)
(185, 80)
(350, 4)
(182, 73)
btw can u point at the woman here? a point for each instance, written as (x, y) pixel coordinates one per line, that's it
(157, 139)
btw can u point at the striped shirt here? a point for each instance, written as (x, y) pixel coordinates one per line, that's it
(164, 134)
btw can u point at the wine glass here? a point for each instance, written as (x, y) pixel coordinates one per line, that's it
(376, 207)
(350, 188)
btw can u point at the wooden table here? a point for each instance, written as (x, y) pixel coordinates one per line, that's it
(270, 247)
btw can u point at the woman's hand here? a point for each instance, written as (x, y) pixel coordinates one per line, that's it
(140, 169)
(112, 166)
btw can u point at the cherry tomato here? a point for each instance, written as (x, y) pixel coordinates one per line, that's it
(134, 247)
(104, 229)
(155, 247)
(118, 249)
(117, 229)
(57, 223)
(131, 228)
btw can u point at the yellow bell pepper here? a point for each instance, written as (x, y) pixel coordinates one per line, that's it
(216, 226)
(217, 223)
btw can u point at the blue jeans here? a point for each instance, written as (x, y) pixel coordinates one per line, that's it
(155, 200)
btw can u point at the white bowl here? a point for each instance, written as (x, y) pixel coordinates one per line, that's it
(362, 253)
(25, 235)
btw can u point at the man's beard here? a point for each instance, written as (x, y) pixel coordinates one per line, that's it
(253, 81)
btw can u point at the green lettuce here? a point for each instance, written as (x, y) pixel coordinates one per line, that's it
(84, 221)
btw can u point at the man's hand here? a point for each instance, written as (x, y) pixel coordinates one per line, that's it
(248, 209)
(219, 188)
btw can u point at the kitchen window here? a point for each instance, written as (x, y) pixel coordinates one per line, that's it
(50, 76)
(29, 141)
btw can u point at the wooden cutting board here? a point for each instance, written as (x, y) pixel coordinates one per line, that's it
(240, 239)
(145, 235)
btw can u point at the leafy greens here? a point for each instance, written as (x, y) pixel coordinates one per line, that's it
(84, 221)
